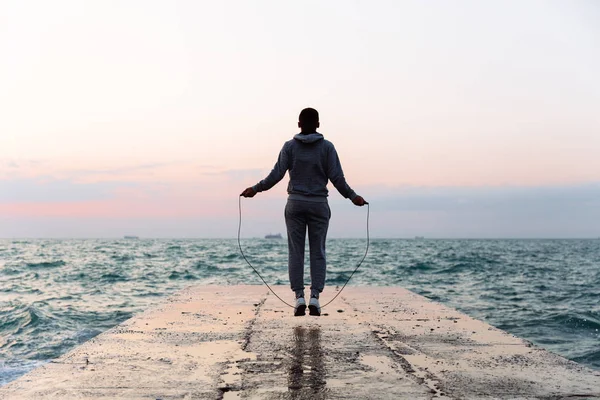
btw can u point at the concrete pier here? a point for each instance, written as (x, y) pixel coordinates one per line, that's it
(225, 342)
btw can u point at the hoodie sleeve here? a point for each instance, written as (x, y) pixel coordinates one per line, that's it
(336, 175)
(276, 174)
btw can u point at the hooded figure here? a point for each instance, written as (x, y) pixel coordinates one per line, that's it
(312, 162)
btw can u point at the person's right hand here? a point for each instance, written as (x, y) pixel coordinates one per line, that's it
(359, 201)
(248, 192)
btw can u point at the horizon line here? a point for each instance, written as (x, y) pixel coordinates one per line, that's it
(413, 238)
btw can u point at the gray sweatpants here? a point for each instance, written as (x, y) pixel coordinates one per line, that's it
(300, 215)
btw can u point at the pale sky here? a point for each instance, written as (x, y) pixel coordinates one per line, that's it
(453, 119)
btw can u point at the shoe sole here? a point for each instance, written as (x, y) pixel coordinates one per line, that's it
(300, 311)
(313, 310)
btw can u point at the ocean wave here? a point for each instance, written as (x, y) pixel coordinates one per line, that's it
(11, 271)
(17, 318)
(46, 264)
(122, 257)
(201, 265)
(580, 322)
(422, 266)
(185, 275)
(591, 358)
(455, 269)
(113, 277)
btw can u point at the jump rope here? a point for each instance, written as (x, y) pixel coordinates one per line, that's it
(261, 278)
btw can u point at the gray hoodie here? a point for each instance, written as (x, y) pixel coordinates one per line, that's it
(312, 162)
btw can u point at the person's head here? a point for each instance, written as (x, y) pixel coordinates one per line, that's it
(308, 121)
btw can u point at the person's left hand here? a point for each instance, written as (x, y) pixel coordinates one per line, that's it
(359, 201)
(248, 192)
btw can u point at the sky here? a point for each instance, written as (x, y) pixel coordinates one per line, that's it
(453, 119)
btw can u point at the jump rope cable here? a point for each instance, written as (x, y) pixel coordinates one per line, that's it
(261, 278)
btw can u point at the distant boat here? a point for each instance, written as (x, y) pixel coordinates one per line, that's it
(275, 236)
(130, 237)
(419, 237)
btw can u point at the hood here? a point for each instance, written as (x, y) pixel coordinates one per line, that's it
(308, 138)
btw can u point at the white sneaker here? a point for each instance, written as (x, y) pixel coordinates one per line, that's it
(300, 308)
(314, 308)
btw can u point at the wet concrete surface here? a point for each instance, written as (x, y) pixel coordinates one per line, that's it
(229, 342)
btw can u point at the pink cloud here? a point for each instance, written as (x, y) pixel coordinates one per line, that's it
(160, 200)
(115, 208)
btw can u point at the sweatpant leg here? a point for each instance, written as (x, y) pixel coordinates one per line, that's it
(295, 222)
(318, 224)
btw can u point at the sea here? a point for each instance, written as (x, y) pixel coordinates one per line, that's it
(57, 294)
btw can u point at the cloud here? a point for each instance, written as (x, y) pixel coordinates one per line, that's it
(485, 198)
(85, 170)
(121, 170)
(499, 199)
(209, 208)
(53, 191)
(13, 166)
(160, 199)
(553, 211)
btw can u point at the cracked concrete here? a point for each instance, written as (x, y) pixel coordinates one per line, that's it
(227, 342)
